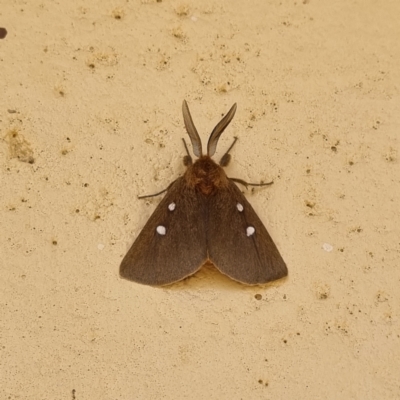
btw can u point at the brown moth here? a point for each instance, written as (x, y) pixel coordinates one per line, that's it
(203, 217)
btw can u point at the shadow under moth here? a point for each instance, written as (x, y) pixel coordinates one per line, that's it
(203, 217)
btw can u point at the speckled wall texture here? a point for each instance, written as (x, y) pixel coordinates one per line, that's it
(90, 117)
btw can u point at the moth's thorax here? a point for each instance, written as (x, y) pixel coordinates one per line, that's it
(206, 176)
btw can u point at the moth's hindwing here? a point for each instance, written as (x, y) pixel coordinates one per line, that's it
(238, 243)
(172, 244)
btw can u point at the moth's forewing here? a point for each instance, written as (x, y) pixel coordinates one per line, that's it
(156, 259)
(247, 257)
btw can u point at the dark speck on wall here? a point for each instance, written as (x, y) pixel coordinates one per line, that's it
(3, 33)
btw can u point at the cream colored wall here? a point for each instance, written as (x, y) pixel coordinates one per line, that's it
(91, 92)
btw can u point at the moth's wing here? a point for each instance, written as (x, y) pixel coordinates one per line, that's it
(157, 259)
(244, 257)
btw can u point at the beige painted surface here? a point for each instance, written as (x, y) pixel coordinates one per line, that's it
(91, 93)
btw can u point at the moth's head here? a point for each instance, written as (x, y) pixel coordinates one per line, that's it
(215, 134)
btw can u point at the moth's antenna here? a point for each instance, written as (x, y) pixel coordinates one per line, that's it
(191, 130)
(217, 131)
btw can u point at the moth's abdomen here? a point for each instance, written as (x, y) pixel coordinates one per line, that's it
(206, 176)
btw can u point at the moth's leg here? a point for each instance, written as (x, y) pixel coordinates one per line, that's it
(244, 183)
(227, 157)
(187, 160)
(156, 194)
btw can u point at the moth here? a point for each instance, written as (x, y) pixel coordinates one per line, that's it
(203, 217)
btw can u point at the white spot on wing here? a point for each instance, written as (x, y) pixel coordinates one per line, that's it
(250, 230)
(162, 231)
(172, 206)
(239, 207)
